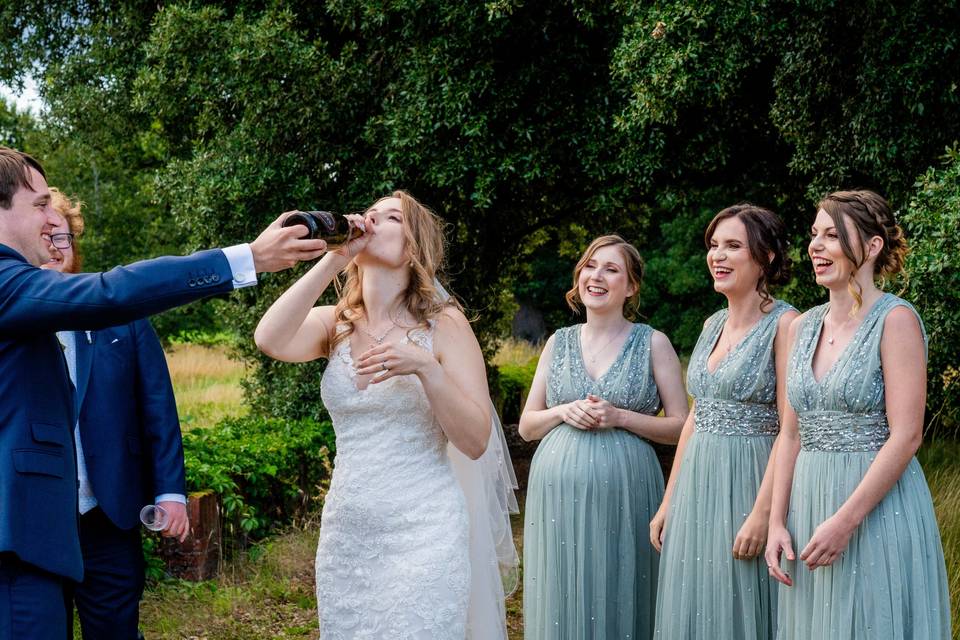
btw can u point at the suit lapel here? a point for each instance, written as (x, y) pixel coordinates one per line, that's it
(85, 347)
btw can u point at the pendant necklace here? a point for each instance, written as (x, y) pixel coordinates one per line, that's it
(593, 359)
(379, 339)
(830, 333)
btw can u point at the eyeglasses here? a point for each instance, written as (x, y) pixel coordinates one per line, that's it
(61, 240)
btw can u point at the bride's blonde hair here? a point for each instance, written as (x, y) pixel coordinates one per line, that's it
(425, 246)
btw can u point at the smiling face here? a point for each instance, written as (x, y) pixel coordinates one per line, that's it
(384, 222)
(28, 223)
(831, 266)
(731, 264)
(604, 282)
(61, 260)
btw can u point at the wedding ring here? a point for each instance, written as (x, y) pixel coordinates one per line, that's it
(383, 365)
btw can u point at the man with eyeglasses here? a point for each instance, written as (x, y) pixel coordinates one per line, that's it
(129, 452)
(39, 542)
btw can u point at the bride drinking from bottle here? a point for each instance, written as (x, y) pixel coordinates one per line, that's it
(399, 555)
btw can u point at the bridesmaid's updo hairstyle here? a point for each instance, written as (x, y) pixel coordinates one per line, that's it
(871, 216)
(766, 235)
(633, 262)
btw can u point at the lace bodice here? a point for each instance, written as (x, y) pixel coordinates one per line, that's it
(393, 554)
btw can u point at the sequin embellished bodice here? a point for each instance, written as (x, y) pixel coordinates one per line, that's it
(627, 384)
(393, 557)
(738, 397)
(844, 410)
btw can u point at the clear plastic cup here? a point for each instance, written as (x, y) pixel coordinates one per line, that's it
(154, 517)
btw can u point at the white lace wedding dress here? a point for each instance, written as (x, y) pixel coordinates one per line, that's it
(393, 557)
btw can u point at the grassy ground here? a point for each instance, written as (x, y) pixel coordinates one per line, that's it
(267, 592)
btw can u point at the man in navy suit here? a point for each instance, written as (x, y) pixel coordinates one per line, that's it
(39, 540)
(129, 453)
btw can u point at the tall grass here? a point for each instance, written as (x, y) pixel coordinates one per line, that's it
(206, 381)
(940, 464)
(517, 352)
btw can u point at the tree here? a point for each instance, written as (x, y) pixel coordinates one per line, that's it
(530, 127)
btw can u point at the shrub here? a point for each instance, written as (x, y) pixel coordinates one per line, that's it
(511, 385)
(932, 219)
(266, 471)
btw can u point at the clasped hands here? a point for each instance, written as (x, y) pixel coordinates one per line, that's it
(826, 545)
(591, 413)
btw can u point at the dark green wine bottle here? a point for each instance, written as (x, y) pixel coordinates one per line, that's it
(324, 225)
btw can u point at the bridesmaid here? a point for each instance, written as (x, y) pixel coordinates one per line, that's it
(589, 572)
(847, 487)
(713, 583)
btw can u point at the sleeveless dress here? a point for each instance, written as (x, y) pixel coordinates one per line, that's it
(890, 583)
(393, 557)
(589, 568)
(703, 591)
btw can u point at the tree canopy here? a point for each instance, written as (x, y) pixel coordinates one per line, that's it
(529, 126)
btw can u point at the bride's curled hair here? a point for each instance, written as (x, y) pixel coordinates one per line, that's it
(425, 245)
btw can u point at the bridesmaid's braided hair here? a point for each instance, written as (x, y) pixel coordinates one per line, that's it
(871, 216)
(766, 235)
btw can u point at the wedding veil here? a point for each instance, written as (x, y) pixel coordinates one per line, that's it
(488, 484)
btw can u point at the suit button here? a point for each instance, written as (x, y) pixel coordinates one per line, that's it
(240, 277)
(192, 282)
(215, 277)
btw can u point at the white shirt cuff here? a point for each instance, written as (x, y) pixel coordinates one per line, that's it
(240, 258)
(171, 497)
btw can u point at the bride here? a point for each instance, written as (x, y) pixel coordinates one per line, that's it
(415, 535)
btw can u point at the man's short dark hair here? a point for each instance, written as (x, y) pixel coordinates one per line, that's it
(15, 173)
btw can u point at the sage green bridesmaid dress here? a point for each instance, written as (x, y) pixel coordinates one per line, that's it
(891, 582)
(589, 568)
(703, 591)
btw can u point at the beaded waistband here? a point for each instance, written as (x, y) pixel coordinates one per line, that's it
(732, 418)
(843, 431)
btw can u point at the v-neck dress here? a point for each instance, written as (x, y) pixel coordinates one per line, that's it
(589, 568)
(703, 591)
(891, 582)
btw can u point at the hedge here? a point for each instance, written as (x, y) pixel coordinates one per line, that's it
(265, 470)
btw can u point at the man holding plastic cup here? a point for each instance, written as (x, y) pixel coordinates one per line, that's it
(39, 540)
(128, 450)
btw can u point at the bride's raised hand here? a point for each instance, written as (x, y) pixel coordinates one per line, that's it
(386, 361)
(358, 244)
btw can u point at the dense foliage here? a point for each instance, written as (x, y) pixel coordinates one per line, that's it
(933, 221)
(529, 126)
(265, 471)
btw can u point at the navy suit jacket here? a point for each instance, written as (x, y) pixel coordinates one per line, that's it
(129, 428)
(38, 476)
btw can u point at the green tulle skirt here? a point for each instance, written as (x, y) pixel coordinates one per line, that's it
(589, 568)
(704, 592)
(890, 583)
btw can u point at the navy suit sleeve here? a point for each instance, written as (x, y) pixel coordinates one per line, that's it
(158, 413)
(34, 300)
